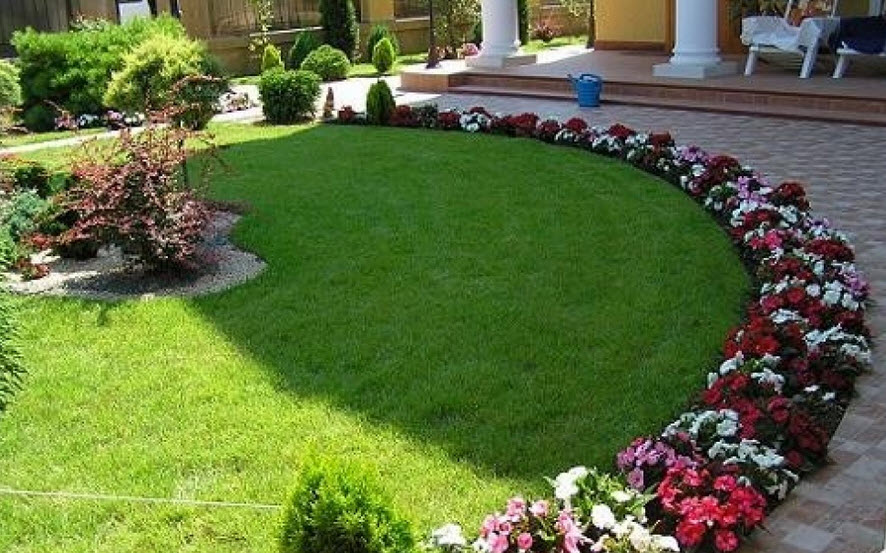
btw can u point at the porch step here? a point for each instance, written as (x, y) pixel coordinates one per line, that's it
(732, 108)
(799, 104)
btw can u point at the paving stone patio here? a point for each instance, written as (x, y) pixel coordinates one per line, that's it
(841, 508)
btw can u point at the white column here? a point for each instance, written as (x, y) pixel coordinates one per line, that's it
(501, 43)
(695, 53)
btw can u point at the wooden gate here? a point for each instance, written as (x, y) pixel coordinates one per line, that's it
(43, 15)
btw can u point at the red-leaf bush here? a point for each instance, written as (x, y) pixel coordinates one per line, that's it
(133, 194)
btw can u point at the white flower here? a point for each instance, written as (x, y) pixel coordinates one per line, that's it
(830, 396)
(481, 545)
(665, 543)
(565, 485)
(622, 496)
(602, 517)
(448, 536)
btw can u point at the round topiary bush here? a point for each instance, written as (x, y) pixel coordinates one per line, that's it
(304, 44)
(329, 63)
(384, 56)
(271, 58)
(379, 103)
(339, 509)
(288, 96)
(10, 90)
(379, 32)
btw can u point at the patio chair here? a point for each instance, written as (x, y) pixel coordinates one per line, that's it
(798, 31)
(859, 36)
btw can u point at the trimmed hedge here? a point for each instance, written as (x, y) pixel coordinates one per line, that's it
(288, 96)
(73, 69)
(329, 63)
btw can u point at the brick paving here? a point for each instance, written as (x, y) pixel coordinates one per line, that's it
(842, 507)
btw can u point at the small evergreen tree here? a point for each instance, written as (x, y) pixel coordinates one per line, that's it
(271, 58)
(383, 56)
(523, 20)
(339, 21)
(379, 103)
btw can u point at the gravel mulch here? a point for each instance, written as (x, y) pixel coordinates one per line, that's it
(107, 277)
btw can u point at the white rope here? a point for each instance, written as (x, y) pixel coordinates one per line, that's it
(136, 499)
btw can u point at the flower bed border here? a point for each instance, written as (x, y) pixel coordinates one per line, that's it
(770, 409)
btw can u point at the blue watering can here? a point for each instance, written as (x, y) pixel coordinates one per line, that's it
(587, 88)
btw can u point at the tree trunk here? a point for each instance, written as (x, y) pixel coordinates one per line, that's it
(592, 26)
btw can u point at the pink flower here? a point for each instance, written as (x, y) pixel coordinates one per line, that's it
(498, 543)
(516, 507)
(524, 541)
(489, 525)
(635, 479)
(540, 508)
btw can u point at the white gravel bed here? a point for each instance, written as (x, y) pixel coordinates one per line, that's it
(107, 277)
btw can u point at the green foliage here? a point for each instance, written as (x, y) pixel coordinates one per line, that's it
(339, 21)
(19, 215)
(288, 96)
(271, 58)
(456, 22)
(329, 63)
(523, 20)
(149, 73)
(383, 56)
(379, 103)
(20, 174)
(305, 43)
(340, 509)
(10, 90)
(377, 33)
(11, 370)
(73, 69)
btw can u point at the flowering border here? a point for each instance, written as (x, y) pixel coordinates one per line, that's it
(768, 411)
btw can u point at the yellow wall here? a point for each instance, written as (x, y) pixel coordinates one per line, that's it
(644, 22)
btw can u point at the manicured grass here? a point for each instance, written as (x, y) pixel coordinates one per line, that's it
(463, 314)
(364, 69)
(10, 140)
(558, 42)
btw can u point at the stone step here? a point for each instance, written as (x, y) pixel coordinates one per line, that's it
(855, 110)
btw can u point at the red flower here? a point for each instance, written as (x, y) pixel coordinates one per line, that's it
(779, 409)
(576, 125)
(689, 533)
(726, 540)
(621, 132)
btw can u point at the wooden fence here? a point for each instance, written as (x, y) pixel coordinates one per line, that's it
(234, 17)
(44, 15)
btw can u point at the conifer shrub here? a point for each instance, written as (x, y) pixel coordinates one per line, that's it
(384, 56)
(340, 509)
(379, 103)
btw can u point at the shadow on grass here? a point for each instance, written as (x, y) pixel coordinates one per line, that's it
(524, 307)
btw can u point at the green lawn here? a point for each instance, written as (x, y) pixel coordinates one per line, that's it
(535, 45)
(463, 314)
(10, 140)
(363, 69)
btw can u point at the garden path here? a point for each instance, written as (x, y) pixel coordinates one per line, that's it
(842, 507)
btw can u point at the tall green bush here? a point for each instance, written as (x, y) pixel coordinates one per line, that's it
(379, 103)
(271, 58)
(383, 57)
(523, 20)
(151, 70)
(330, 63)
(339, 21)
(304, 44)
(288, 96)
(377, 33)
(340, 509)
(73, 69)
(10, 90)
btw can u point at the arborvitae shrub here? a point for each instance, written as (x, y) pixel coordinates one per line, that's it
(304, 44)
(377, 33)
(379, 103)
(288, 96)
(271, 58)
(339, 21)
(341, 510)
(384, 56)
